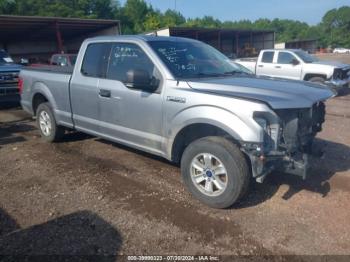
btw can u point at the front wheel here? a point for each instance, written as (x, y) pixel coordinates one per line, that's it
(46, 122)
(215, 171)
(317, 79)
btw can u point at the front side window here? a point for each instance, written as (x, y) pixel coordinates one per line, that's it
(126, 57)
(267, 57)
(192, 59)
(96, 60)
(285, 58)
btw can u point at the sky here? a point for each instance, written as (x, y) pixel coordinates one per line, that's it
(310, 11)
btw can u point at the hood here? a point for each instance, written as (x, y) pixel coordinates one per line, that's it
(331, 63)
(10, 67)
(278, 93)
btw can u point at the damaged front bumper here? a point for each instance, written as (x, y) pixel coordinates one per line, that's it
(287, 146)
(264, 164)
(338, 83)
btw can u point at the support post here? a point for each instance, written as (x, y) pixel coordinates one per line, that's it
(59, 38)
(237, 44)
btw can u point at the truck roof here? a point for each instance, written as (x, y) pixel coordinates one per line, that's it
(145, 38)
(281, 49)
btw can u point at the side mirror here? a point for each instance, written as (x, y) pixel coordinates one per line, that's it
(295, 62)
(141, 79)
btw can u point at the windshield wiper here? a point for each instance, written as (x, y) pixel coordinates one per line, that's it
(208, 75)
(233, 72)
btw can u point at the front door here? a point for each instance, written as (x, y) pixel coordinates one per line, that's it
(131, 115)
(287, 66)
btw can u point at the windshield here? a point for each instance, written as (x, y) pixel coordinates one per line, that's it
(306, 57)
(5, 58)
(187, 59)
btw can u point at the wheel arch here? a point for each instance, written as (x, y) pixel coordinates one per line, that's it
(41, 94)
(308, 76)
(194, 131)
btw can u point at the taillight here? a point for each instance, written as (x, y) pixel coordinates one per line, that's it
(20, 85)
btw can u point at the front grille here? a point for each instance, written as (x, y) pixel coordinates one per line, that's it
(341, 73)
(8, 78)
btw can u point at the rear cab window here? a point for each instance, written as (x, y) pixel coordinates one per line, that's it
(267, 57)
(96, 60)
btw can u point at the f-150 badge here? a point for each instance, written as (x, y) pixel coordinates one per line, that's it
(176, 99)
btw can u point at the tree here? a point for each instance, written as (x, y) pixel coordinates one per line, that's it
(136, 12)
(336, 27)
(173, 18)
(137, 16)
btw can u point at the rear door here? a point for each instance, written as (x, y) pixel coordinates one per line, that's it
(85, 95)
(265, 64)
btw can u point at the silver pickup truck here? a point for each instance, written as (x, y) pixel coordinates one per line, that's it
(182, 100)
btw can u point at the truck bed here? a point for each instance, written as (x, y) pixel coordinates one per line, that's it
(51, 69)
(52, 82)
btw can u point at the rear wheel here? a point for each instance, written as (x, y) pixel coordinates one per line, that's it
(46, 122)
(215, 171)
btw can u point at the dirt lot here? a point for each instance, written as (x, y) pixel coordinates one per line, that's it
(345, 58)
(88, 196)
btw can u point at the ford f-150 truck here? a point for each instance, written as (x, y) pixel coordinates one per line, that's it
(298, 65)
(9, 72)
(185, 101)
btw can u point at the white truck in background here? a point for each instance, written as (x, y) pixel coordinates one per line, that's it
(298, 65)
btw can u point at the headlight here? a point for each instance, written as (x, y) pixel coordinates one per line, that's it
(261, 119)
(262, 122)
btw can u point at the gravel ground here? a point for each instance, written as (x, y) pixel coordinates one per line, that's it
(87, 196)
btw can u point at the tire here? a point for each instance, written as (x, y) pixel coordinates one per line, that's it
(49, 130)
(219, 150)
(317, 79)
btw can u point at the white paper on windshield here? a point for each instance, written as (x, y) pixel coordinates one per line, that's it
(8, 59)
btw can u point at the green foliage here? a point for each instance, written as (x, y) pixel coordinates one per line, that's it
(137, 16)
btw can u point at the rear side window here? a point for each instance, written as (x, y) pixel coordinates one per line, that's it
(96, 60)
(267, 57)
(285, 58)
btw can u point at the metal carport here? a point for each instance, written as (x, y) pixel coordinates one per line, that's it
(37, 38)
(232, 42)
